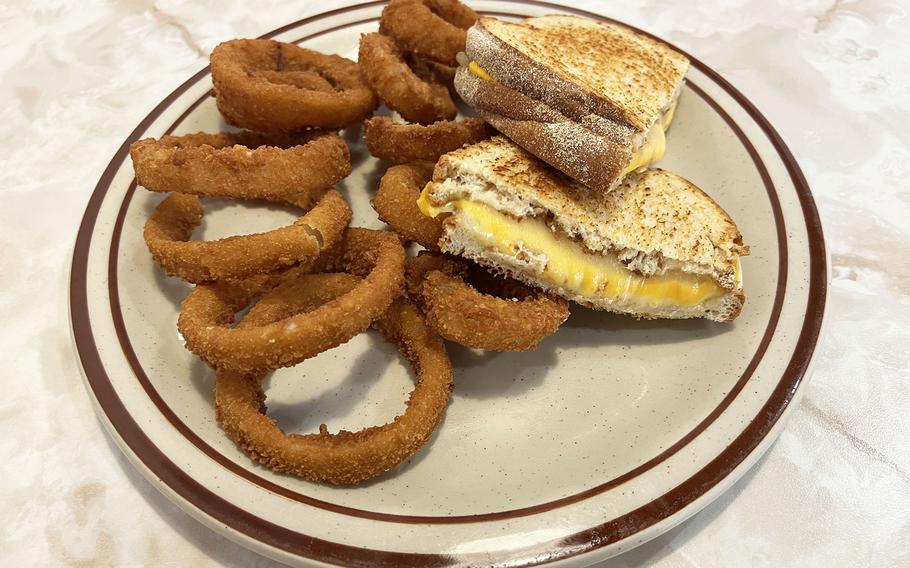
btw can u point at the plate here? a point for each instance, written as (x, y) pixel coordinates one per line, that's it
(610, 433)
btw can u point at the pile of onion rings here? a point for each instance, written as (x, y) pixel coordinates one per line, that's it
(401, 143)
(345, 457)
(471, 307)
(271, 86)
(305, 308)
(208, 312)
(317, 283)
(295, 171)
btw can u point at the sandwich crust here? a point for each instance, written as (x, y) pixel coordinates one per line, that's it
(580, 66)
(593, 150)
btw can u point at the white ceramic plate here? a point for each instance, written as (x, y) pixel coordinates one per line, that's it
(611, 432)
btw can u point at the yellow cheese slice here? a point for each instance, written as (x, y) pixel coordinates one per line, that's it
(568, 265)
(476, 69)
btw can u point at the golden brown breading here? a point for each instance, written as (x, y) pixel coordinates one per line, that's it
(267, 86)
(396, 204)
(402, 143)
(168, 230)
(207, 313)
(345, 457)
(434, 29)
(416, 99)
(243, 165)
(474, 308)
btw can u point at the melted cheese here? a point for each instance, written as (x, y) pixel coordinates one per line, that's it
(655, 144)
(568, 265)
(476, 69)
(650, 151)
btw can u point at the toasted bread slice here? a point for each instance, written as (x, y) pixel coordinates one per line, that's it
(593, 150)
(654, 225)
(579, 66)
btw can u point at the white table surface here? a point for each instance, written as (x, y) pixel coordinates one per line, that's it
(833, 77)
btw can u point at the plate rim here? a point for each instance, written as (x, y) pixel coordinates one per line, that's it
(796, 370)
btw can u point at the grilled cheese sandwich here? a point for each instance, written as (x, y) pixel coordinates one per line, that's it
(655, 247)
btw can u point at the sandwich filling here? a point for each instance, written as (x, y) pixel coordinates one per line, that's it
(649, 151)
(562, 263)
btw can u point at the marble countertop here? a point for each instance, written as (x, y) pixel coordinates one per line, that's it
(834, 77)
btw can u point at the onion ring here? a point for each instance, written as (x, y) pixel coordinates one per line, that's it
(401, 143)
(512, 317)
(416, 99)
(169, 228)
(433, 72)
(243, 165)
(300, 79)
(208, 311)
(396, 204)
(454, 12)
(434, 29)
(346, 457)
(297, 291)
(419, 266)
(260, 85)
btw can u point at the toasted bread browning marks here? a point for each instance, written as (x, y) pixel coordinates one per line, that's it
(605, 68)
(592, 150)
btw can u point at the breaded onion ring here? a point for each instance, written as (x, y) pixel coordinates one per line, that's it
(243, 165)
(402, 143)
(298, 291)
(396, 204)
(208, 312)
(417, 100)
(267, 85)
(454, 12)
(345, 457)
(433, 72)
(419, 266)
(300, 79)
(169, 228)
(434, 29)
(505, 316)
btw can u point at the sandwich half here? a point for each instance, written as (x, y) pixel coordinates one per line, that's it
(591, 99)
(655, 247)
